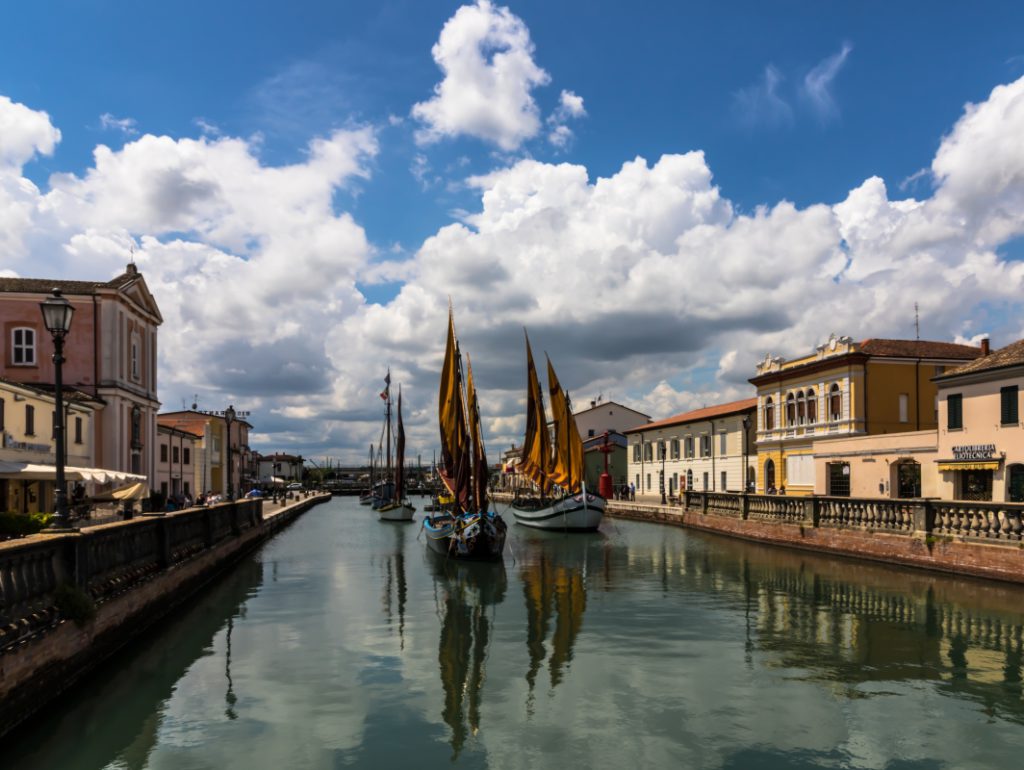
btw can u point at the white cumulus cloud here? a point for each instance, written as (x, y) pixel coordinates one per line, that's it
(486, 55)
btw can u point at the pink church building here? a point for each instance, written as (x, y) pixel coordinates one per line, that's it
(110, 353)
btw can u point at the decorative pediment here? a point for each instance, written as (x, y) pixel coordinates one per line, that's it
(769, 364)
(835, 346)
(137, 293)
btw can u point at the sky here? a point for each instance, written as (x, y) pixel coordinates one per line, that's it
(659, 193)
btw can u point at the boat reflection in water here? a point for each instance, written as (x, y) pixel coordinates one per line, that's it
(554, 575)
(468, 592)
(396, 586)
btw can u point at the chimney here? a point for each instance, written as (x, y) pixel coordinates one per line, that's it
(984, 347)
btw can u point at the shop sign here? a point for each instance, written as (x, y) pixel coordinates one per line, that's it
(974, 451)
(24, 446)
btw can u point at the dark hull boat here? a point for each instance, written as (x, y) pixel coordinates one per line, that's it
(467, 529)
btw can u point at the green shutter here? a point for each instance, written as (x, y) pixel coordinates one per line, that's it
(954, 412)
(1008, 412)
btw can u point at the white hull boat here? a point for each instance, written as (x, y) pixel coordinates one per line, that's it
(574, 513)
(396, 512)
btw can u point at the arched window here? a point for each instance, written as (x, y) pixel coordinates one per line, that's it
(769, 414)
(769, 477)
(812, 407)
(801, 408)
(689, 479)
(790, 410)
(835, 403)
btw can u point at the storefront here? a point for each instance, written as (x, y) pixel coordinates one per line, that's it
(895, 465)
(972, 471)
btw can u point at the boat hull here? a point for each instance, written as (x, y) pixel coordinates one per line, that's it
(470, 537)
(577, 513)
(396, 512)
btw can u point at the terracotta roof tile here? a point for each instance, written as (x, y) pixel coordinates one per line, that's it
(706, 413)
(1011, 355)
(46, 285)
(918, 349)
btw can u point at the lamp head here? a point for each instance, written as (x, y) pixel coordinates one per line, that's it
(57, 312)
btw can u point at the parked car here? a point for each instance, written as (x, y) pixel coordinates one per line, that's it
(294, 485)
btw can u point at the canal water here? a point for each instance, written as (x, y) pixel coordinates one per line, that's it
(343, 642)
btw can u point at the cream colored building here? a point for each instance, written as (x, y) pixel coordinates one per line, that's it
(705, 449)
(843, 389)
(981, 434)
(26, 426)
(219, 461)
(176, 460)
(893, 465)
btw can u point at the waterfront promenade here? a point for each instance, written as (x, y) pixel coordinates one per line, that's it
(69, 601)
(981, 539)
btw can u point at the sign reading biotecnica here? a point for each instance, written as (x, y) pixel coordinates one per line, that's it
(974, 451)
(24, 446)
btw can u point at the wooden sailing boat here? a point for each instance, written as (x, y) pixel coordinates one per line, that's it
(398, 508)
(560, 500)
(366, 497)
(468, 530)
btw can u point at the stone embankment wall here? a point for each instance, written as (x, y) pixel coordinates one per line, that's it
(966, 538)
(69, 601)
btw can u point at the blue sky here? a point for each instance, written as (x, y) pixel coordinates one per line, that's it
(798, 102)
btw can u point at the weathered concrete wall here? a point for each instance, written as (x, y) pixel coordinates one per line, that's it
(38, 667)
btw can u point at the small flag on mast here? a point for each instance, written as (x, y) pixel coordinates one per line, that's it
(387, 386)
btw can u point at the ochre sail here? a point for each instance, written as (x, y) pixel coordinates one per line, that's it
(560, 467)
(455, 445)
(476, 442)
(536, 463)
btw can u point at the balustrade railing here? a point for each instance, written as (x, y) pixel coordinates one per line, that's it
(996, 521)
(775, 508)
(883, 514)
(105, 561)
(969, 521)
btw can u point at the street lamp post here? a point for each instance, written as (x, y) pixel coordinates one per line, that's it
(57, 313)
(229, 417)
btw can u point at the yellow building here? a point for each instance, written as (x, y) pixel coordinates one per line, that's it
(844, 388)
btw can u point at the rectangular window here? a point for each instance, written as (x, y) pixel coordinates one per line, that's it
(839, 479)
(174, 454)
(722, 444)
(163, 453)
(1008, 404)
(705, 481)
(955, 411)
(674, 449)
(23, 347)
(705, 445)
(904, 407)
(30, 420)
(187, 459)
(590, 432)
(723, 487)
(78, 430)
(636, 453)
(188, 488)
(648, 482)
(648, 452)
(689, 446)
(163, 488)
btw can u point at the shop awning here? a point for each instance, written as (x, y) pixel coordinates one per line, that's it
(43, 472)
(969, 465)
(136, 491)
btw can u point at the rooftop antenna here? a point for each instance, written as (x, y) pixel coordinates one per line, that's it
(195, 402)
(917, 323)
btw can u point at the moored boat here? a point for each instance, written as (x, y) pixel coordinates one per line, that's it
(559, 500)
(468, 529)
(398, 507)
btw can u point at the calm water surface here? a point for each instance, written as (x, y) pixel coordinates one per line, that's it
(345, 643)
